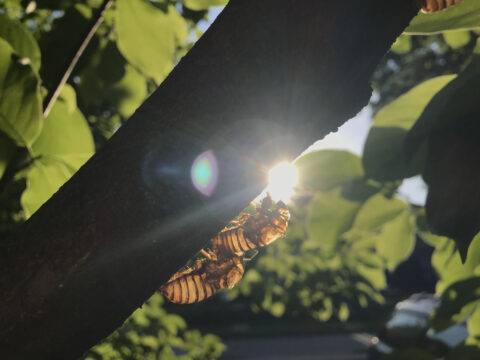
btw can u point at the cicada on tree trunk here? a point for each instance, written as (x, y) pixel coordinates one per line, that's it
(223, 267)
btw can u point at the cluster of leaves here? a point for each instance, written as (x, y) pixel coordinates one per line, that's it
(426, 49)
(151, 333)
(433, 130)
(345, 231)
(348, 229)
(132, 51)
(347, 226)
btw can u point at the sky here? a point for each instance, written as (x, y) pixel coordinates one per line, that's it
(350, 136)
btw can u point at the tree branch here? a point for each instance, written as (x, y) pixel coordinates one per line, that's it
(265, 81)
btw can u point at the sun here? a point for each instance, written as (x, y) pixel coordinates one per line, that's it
(281, 180)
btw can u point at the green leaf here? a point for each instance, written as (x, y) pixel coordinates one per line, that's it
(448, 131)
(384, 158)
(64, 144)
(65, 136)
(68, 96)
(456, 39)
(375, 276)
(329, 216)
(396, 241)
(22, 42)
(277, 309)
(111, 82)
(402, 45)
(343, 312)
(457, 303)
(450, 103)
(203, 4)
(147, 36)
(383, 224)
(7, 149)
(20, 100)
(448, 264)
(323, 170)
(377, 211)
(474, 325)
(463, 16)
(129, 92)
(44, 178)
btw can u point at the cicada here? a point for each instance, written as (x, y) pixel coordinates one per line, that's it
(430, 6)
(223, 267)
(209, 275)
(254, 230)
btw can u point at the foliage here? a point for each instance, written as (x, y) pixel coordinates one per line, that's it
(432, 128)
(151, 333)
(464, 16)
(425, 125)
(348, 227)
(344, 233)
(120, 67)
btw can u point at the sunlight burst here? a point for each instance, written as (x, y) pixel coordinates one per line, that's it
(281, 181)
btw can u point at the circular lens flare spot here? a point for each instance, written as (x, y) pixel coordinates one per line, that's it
(204, 173)
(281, 181)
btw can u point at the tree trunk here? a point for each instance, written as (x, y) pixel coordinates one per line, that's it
(269, 78)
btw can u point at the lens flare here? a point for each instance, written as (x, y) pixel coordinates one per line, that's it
(281, 181)
(204, 173)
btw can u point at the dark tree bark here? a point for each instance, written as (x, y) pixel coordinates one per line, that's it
(268, 79)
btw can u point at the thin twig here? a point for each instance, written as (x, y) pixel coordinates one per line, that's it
(21, 152)
(50, 100)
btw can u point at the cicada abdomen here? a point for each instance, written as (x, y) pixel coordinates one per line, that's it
(188, 289)
(232, 241)
(197, 284)
(430, 6)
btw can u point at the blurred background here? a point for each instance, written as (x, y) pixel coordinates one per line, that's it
(357, 244)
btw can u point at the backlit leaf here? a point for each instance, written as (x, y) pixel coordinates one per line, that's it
(447, 132)
(456, 39)
(20, 101)
(65, 136)
(323, 170)
(110, 82)
(147, 36)
(448, 264)
(457, 303)
(384, 157)
(396, 241)
(64, 144)
(22, 42)
(7, 148)
(329, 216)
(474, 325)
(402, 45)
(377, 211)
(44, 178)
(203, 4)
(462, 16)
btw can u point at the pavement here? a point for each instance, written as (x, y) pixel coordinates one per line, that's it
(310, 347)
